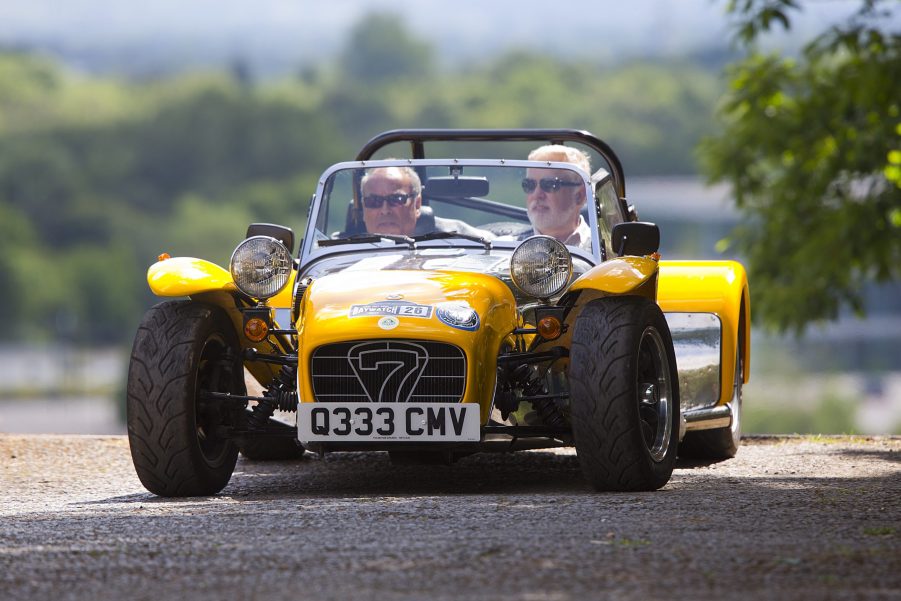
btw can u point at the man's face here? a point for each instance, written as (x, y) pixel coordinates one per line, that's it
(555, 213)
(382, 188)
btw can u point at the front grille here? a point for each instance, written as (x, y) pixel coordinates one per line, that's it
(387, 371)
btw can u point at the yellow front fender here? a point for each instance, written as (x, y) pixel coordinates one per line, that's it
(187, 276)
(210, 283)
(623, 275)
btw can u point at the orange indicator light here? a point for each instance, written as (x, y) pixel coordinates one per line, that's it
(549, 328)
(256, 329)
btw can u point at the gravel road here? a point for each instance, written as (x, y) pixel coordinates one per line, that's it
(788, 518)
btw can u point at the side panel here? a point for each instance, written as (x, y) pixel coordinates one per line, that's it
(713, 287)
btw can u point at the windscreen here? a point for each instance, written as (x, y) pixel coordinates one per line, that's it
(497, 202)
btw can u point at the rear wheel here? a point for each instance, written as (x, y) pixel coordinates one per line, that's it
(182, 351)
(624, 394)
(719, 443)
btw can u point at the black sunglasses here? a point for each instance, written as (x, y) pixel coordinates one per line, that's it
(374, 201)
(548, 184)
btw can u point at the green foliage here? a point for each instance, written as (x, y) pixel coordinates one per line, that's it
(759, 16)
(206, 229)
(98, 176)
(101, 298)
(811, 149)
(832, 415)
(381, 50)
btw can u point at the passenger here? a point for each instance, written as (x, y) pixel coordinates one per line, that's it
(392, 200)
(555, 198)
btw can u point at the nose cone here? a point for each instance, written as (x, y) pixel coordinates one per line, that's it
(412, 306)
(337, 303)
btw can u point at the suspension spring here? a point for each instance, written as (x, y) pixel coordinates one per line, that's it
(549, 412)
(280, 395)
(548, 409)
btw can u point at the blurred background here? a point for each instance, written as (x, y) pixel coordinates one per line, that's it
(127, 130)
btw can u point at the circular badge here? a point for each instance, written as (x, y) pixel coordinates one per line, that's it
(388, 322)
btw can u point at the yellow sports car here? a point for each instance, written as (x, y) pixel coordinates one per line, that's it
(436, 318)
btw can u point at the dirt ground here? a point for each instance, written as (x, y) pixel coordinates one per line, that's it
(788, 518)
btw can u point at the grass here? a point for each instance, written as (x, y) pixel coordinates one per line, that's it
(879, 531)
(831, 415)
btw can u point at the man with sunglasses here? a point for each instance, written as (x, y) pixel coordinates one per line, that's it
(392, 204)
(392, 200)
(555, 198)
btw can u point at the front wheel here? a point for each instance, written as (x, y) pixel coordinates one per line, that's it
(624, 394)
(182, 352)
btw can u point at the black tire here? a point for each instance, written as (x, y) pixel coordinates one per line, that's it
(719, 443)
(625, 394)
(183, 349)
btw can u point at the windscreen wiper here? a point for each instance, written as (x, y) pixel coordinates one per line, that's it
(454, 234)
(369, 238)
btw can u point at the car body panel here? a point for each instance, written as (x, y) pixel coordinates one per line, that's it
(719, 288)
(618, 276)
(325, 318)
(188, 276)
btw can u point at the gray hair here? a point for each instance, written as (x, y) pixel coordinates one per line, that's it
(408, 174)
(563, 154)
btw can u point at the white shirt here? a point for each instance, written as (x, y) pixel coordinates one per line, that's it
(581, 237)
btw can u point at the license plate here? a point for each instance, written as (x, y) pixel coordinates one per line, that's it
(428, 422)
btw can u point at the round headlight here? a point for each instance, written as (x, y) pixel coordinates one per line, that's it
(261, 266)
(541, 266)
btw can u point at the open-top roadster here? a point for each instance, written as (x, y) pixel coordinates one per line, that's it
(469, 334)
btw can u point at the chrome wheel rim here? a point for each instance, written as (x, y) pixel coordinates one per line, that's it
(654, 388)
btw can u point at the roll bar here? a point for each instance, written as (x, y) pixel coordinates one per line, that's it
(418, 137)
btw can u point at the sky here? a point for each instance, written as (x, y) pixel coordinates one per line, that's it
(280, 35)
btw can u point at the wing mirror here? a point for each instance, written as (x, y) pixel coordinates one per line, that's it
(283, 234)
(636, 238)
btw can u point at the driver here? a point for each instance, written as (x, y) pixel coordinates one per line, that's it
(555, 198)
(392, 200)
(392, 204)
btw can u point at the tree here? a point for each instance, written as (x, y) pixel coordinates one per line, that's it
(381, 50)
(812, 149)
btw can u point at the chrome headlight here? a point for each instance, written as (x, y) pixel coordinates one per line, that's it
(541, 266)
(261, 266)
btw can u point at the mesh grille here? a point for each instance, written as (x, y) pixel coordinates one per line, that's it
(387, 371)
